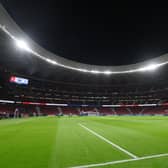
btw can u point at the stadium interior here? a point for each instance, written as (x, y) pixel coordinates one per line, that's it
(57, 113)
(70, 92)
(54, 90)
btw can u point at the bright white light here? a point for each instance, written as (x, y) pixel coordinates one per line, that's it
(94, 71)
(22, 45)
(83, 70)
(150, 67)
(107, 72)
(53, 104)
(51, 61)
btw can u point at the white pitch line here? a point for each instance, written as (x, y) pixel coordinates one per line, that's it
(109, 142)
(122, 161)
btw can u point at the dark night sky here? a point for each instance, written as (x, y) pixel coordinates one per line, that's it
(101, 35)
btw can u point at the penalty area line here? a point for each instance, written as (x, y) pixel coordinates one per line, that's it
(122, 161)
(109, 142)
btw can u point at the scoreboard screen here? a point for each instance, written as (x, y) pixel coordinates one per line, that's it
(18, 80)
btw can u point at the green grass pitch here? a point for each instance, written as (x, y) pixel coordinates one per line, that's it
(51, 142)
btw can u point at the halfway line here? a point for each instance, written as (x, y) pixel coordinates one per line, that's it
(109, 142)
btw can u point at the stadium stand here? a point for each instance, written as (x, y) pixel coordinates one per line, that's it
(53, 89)
(43, 97)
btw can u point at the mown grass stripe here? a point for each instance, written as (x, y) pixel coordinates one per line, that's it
(109, 142)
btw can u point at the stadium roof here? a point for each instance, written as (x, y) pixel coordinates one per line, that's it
(8, 25)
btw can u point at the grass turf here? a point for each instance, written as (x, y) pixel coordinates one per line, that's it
(50, 142)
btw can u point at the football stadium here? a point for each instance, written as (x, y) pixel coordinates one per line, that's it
(60, 113)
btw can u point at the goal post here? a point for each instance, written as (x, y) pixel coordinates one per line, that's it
(92, 113)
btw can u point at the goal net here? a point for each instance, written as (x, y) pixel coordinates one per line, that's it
(91, 113)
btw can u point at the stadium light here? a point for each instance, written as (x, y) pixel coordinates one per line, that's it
(51, 61)
(150, 67)
(107, 72)
(95, 71)
(22, 45)
(7, 101)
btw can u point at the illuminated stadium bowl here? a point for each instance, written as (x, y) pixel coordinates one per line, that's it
(22, 41)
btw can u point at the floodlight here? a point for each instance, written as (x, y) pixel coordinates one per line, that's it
(94, 71)
(107, 72)
(22, 45)
(82, 70)
(51, 61)
(150, 67)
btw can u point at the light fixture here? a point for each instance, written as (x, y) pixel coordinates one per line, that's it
(150, 67)
(22, 45)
